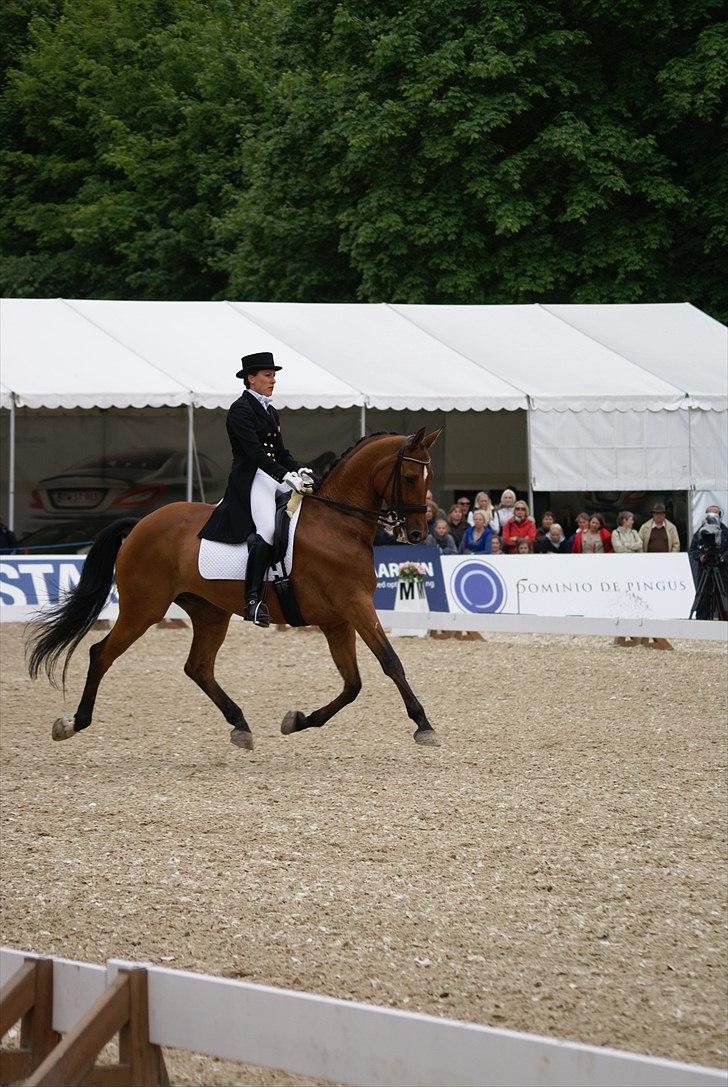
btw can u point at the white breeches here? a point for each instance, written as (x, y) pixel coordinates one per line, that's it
(263, 503)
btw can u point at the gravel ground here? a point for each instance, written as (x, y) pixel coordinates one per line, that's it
(557, 866)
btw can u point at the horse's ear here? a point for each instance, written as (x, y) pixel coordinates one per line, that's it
(416, 439)
(432, 438)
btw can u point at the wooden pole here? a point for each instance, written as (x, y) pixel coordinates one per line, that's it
(28, 997)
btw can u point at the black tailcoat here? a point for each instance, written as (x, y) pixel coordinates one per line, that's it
(255, 437)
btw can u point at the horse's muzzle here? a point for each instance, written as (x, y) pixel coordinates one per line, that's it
(414, 536)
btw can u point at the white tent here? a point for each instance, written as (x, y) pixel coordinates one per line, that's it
(616, 397)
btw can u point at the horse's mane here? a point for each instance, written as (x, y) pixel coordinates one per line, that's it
(352, 448)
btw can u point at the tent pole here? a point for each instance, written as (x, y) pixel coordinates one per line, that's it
(528, 455)
(190, 449)
(691, 481)
(11, 466)
(363, 421)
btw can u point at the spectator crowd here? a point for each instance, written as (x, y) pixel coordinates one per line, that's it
(508, 528)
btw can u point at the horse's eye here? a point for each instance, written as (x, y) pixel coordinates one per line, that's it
(410, 479)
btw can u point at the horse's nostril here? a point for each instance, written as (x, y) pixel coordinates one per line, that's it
(415, 536)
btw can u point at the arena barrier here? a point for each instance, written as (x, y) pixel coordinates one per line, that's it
(300, 1033)
(639, 596)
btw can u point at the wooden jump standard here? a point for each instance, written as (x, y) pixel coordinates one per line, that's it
(44, 1060)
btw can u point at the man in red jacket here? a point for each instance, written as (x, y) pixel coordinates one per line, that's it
(519, 527)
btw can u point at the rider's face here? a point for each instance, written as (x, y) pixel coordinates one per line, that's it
(262, 381)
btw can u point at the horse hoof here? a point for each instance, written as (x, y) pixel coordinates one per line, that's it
(294, 721)
(63, 728)
(241, 738)
(427, 737)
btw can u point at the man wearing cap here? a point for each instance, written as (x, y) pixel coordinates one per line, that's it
(659, 534)
(261, 467)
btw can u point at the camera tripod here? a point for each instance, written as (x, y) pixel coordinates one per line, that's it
(711, 596)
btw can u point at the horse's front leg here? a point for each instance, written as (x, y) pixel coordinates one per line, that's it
(342, 646)
(364, 618)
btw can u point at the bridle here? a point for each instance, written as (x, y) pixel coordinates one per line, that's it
(394, 516)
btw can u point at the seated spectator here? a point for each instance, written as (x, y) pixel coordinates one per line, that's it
(431, 501)
(457, 523)
(504, 511)
(441, 538)
(659, 534)
(595, 539)
(477, 537)
(625, 538)
(524, 547)
(496, 545)
(582, 520)
(464, 502)
(554, 542)
(519, 527)
(483, 502)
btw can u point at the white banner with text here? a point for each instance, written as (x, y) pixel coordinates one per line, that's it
(595, 586)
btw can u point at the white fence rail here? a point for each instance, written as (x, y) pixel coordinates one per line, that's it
(499, 623)
(348, 1042)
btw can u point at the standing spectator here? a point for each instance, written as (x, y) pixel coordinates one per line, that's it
(721, 548)
(8, 538)
(582, 520)
(457, 523)
(476, 540)
(504, 512)
(554, 542)
(658, 534)
(483, 502)
(523, 547)
(595, 539)
(441, 538)
(519, 527)
(625, 538)
(433, 512)
(496, 545)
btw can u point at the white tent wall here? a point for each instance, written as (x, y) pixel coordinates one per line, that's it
(601, 451)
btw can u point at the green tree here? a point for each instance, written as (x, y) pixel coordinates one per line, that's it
(505, 151)
(122, 122)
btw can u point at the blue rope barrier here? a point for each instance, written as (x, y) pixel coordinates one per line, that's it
(21, 550)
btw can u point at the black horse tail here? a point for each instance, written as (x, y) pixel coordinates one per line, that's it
(62, 626)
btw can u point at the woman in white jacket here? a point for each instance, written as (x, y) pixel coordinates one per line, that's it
(625, 539)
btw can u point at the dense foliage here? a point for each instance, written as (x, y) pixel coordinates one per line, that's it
(420, 151)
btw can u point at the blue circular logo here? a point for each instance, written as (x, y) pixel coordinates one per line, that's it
(478, 587)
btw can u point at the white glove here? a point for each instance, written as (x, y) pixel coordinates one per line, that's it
(306, 475)
(294, 481)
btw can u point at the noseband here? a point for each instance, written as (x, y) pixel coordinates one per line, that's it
(396, 514)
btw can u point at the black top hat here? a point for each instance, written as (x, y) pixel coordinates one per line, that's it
(261, 360)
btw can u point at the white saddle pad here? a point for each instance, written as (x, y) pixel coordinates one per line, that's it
(228, 562)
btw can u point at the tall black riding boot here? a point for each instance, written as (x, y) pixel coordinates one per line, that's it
(259, 553)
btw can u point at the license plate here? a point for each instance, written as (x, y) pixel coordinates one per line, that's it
(76, 499)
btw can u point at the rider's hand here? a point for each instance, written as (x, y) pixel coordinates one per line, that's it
(307, 479)
(294, 481)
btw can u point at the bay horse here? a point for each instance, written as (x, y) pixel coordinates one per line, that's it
(156, 561)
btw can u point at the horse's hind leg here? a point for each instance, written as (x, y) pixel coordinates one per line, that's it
(210, 625)
(342, 645)
(133, 621)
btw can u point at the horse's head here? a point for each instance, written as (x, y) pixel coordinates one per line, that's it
(411, 479)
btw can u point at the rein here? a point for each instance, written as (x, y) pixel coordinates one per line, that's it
(394, 517)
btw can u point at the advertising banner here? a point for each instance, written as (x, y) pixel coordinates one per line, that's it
(29, 582)
(594, 586)
(386, 565)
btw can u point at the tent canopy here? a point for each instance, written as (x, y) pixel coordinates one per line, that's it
(606, 386)
(82, 353)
